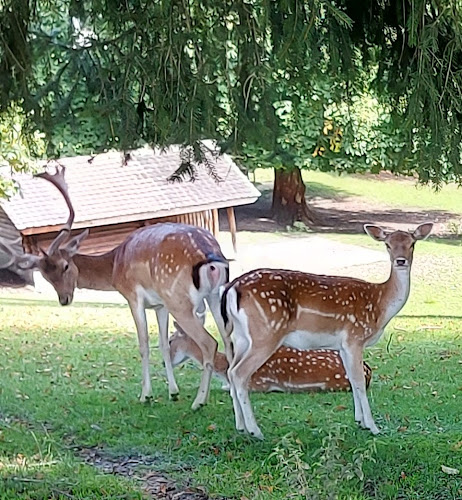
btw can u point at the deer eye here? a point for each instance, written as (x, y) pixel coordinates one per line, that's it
(66, 267)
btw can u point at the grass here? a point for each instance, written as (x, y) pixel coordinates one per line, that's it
(393, 193)
(70, 379)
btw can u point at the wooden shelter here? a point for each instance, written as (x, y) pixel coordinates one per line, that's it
(115, 193)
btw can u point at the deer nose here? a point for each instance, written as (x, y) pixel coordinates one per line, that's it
(401, 262)
(64, 301)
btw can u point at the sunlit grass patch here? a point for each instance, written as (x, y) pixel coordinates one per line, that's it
(70, 377)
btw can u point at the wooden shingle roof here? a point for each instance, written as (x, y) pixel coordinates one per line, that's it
(109, 189)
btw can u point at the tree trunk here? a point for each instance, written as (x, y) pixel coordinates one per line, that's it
(289, 203)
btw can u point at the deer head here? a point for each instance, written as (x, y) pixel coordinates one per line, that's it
(400, 244)
(56, 264)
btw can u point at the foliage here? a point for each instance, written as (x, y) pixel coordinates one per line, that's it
(343, 85)
(18, 146)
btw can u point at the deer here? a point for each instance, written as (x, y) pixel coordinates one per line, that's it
(10, 275)
(173, 268)
(287, 370)
(266, 308)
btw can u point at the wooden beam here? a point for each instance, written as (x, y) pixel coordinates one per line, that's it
(232, 226)
(215, 222)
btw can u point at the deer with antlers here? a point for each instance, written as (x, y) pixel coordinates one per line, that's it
(265, 308)
(172, 268)
(287, 370)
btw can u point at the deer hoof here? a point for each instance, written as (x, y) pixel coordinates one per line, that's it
(257, 435)
(197, 406)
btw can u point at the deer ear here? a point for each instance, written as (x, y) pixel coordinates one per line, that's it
(423, 231)
(375, 232)
(73, 245)
(28, 261)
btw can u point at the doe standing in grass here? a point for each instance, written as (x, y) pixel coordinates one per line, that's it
(266, 308)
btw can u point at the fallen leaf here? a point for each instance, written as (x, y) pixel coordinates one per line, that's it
(340, 408)
(457, 446)
(449, 470)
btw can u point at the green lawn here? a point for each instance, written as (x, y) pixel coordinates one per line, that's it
(70, 378)
(404, 192)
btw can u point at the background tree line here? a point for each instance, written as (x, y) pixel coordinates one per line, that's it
(348, 86)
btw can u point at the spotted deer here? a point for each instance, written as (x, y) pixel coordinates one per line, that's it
(287, 370)
(266, 308)
(172, 268)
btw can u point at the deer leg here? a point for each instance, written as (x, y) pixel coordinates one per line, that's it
(353, 362)
(241, 346)
(139, 315)
(162, 321)
(239, 376)
(201, 312)
(193, 326)
(248, 358)
(214, 302)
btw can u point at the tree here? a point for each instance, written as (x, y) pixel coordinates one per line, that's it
(18, 146)
(331, 84)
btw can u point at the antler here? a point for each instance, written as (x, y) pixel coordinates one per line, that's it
(58, 180)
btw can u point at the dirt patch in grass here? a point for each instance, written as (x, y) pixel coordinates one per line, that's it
(143, 469)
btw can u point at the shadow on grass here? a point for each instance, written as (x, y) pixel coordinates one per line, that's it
(24, 301)
(313, 190)
(346, 218)
(454, 241)
(351, 221)
(318, 190)
(429, 316)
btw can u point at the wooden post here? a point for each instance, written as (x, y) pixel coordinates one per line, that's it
(215, 222)
(232, 226)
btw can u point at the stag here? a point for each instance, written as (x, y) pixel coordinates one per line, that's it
(173, 268)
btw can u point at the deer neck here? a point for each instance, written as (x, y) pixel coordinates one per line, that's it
(395, 293)
(95, 271)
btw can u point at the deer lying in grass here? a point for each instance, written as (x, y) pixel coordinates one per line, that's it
(265, 308)
(287, 370)
(172, 268)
